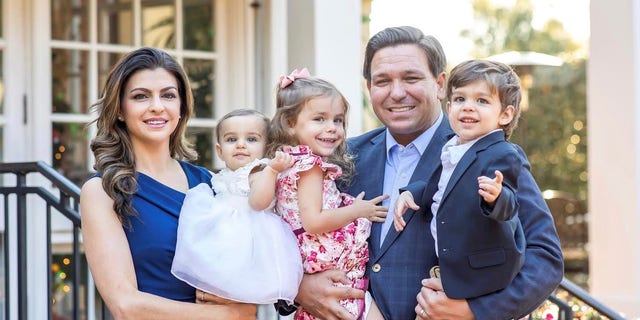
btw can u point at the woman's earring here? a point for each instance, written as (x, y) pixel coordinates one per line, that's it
(120, 118)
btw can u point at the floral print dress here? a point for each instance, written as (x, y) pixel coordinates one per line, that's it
(345, 248)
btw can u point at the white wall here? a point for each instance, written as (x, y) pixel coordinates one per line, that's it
(324, 35)
(614, 162)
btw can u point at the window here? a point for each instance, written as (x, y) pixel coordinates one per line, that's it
(87, 39)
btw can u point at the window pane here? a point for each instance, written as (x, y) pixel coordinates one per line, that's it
(158, 23)
(198, 25)
(115, 22)
(203, 141)
(106, 61)
(70, 150)
(201, 74)
(69, 81)
(70, 20)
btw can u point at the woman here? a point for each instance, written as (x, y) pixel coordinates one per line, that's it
(130, 208)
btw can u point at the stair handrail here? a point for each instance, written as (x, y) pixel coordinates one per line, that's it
(66, 187)
(21, 189)
(589, 300)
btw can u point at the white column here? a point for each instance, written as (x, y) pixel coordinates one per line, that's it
(614, 154)
(39, 124)
(338, 52)
(15, 134)
(324, 35)
(234, 46)
(275, 52)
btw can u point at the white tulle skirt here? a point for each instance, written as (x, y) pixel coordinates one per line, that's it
(229, 250)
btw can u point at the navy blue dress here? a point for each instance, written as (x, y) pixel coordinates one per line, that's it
(152, 238)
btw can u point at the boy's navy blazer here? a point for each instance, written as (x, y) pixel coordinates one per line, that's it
(397, 266)
(480, 249)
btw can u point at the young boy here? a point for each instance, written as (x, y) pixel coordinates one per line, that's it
(478, 236)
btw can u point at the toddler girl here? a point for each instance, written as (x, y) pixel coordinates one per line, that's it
(332, 227)
(230, 243)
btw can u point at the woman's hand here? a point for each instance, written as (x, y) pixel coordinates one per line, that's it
(236, 310)
(208, 298)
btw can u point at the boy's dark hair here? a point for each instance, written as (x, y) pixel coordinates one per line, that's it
(500, 78)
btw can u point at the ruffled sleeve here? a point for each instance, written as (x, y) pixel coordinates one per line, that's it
(304, 160)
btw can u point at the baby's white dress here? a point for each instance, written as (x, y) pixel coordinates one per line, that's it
(228, 249)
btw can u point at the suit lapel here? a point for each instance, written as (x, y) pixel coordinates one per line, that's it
(468, 158)
(373, 159)
(425, 170)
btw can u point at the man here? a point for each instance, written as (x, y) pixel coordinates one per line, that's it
(404, 72)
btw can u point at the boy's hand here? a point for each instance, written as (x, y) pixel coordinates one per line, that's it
(370, 209)
(489, 189)
(281, 161)
(404, 202)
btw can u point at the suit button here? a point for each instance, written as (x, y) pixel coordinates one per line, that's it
(376, 267)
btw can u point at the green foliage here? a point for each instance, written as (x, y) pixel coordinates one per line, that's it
(498, 29)
(553, 130)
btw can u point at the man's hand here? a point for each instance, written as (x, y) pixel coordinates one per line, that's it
(433, 303)
(319, 296)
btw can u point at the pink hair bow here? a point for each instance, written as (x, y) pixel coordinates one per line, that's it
(295, 74)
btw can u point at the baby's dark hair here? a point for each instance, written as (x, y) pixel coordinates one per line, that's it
(500, 78)
(239, 113)
(289, 102)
